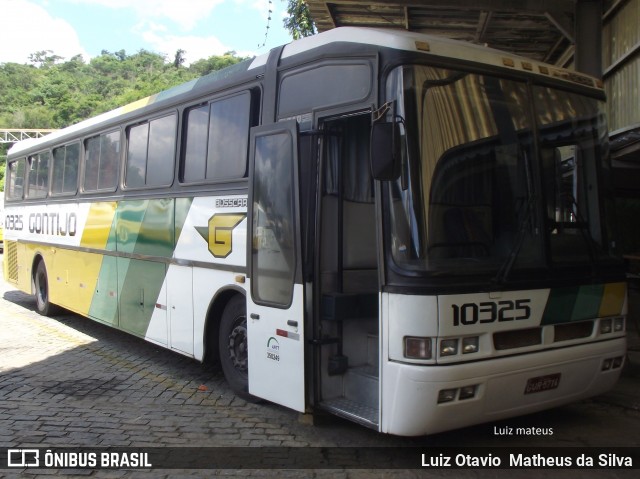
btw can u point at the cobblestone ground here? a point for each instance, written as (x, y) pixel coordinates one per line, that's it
(68, 381)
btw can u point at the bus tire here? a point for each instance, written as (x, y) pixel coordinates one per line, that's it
(41, 289)
(233, 347)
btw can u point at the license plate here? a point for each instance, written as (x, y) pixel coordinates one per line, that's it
(542, 383)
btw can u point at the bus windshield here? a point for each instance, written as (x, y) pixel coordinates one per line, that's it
(497, 175)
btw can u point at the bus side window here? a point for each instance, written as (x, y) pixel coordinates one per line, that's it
(64, 179)
(217, 139)
(38, 175)
(150, 153)
(101, 160)
(15, 179)
(109, 161)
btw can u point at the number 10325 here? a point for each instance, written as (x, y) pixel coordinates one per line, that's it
(491, 311)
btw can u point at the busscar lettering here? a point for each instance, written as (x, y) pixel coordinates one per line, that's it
(56, 224)
(491, 311)
(231, 203)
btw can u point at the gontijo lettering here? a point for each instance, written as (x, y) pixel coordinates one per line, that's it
(58, 224)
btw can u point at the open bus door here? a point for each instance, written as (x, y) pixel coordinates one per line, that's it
(275, 299)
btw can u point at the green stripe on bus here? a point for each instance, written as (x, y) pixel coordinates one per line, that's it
(588, 303)
(560, 305)
(574, 303)
(139, 290)
(104, 305)
(128, 288)
(146, 227)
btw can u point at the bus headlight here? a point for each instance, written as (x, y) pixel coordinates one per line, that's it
(417, 348)
(618, 325)
(470, 345)
(605, 326)
(449, 347)
(454, 346)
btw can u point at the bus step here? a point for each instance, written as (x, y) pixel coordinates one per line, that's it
(352, 410)
(361, 385)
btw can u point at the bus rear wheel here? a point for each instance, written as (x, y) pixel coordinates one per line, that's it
(233, 347)
(41, 288)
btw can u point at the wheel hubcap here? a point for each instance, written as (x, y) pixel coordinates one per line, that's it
(238, 344)
(41, 288)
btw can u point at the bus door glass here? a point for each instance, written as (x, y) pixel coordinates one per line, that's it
(275, 313)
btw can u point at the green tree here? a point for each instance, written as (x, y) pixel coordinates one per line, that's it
(44, 58)
(179, 58)
(214, 63)
(299, 22)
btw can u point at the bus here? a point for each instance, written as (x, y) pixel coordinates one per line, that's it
(1, 224)
(406, 231)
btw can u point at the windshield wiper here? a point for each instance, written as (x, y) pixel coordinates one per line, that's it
(583, 226)
(507, 266)
(529, 205)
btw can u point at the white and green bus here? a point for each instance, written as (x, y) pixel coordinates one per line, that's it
(406, 231)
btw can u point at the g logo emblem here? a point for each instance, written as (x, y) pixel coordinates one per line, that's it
(219, 235)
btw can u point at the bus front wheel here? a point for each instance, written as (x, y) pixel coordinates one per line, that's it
(41, 288)
(233, 347)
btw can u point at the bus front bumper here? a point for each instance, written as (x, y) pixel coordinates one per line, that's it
(418, 400)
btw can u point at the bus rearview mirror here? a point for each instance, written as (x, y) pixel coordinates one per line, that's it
(385, 151)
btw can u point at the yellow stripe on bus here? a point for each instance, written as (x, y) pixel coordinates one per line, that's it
(74, 274)
(138, 104)
(613, 299)
(98, 226)
(75, 279)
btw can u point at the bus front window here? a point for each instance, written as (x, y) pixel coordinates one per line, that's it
(573, 152)
(468, 200)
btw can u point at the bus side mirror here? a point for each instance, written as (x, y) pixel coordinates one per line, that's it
(385, 151)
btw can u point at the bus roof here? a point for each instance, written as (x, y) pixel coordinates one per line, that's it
(385, 38)
(434, 46)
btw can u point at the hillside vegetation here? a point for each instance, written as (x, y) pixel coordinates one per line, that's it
(52, 93)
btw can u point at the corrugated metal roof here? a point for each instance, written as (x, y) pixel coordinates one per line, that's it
(539, 29)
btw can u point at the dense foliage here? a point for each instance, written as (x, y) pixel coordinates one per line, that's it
(51, 93)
